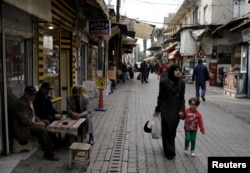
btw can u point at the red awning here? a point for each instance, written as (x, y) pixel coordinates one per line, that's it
(174, 55)
(170, 48)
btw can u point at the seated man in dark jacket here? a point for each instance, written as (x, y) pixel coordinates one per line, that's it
(27, 124)
(43, 105)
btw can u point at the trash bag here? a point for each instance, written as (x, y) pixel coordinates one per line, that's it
(156, 128)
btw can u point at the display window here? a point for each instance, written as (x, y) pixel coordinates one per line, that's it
(52, 59)
(16, 58)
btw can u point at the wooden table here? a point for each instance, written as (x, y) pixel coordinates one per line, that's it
(69, 126)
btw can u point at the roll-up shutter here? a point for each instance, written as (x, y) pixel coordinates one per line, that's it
(16, 21)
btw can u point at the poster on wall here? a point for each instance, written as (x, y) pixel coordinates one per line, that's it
(100, 27)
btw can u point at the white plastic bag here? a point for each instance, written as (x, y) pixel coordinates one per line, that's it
(156, 128)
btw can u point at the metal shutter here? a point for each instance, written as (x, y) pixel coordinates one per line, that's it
(16, 21)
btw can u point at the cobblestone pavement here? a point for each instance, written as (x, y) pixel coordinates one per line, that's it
(121, 145)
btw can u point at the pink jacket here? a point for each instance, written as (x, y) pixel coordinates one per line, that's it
(193, 120)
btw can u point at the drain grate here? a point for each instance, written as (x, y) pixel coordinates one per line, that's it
(115, 164)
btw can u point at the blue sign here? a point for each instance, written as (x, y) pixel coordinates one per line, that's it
(100, 27)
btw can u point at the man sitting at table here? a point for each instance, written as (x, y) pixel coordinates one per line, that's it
(27, 124)
(77, 107)
(43, 105)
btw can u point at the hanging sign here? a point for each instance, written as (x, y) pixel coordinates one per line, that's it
(100, 27)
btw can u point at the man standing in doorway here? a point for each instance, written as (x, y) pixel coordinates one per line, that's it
(200, 76)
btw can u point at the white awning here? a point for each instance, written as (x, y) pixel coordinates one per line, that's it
(197, 34)
(149, 58)
(143, 30)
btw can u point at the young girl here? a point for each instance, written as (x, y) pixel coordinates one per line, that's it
(193, 120)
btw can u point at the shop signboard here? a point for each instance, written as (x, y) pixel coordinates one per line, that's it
(100, 28)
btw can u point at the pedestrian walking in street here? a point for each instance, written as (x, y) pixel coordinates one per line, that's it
(77, 107)
(26, 124)
(170, 105)
(144, 72)
(163, 70)
(193, 120)
(124, 72)
(200, 76)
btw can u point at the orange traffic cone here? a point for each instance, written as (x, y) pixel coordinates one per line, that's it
(101, 102)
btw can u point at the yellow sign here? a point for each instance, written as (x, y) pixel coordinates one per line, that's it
(101, 83)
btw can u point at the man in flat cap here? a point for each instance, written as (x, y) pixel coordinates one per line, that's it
(26, 124)
(43, 105)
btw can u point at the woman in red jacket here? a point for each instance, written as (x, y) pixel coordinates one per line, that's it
(163, 70)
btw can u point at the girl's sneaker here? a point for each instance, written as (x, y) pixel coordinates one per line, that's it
(185, 150)
(192, 153)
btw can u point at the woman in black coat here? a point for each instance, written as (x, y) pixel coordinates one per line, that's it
(171, 105)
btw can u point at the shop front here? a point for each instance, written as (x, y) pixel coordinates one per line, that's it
(235, 82)
(18, 58)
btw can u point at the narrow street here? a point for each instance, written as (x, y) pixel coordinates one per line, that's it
(122, 146)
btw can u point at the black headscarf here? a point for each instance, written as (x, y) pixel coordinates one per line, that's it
(171, 76)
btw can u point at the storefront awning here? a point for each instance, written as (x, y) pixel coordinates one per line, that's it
(230, 24)
(143, 30)
(170, 48)
(174, 55)
(171, 39)
(40, 9)
(154, 48)
(242, 26)
(197, 34)
(94, 9)
(128, 42)
(152, 58)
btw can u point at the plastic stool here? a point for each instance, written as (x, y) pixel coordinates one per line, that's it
(79, 147)
(17, 147)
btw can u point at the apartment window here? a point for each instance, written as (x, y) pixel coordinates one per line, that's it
(205, 17)
(238, 8)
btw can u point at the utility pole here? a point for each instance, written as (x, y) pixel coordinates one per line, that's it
(118, 5)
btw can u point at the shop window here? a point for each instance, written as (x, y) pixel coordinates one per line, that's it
(224, 58)
(243, 66)
(16, 57)
(52, 60)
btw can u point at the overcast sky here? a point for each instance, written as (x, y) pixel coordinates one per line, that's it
(148, 11)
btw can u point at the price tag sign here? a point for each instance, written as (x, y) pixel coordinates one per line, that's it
(101, 83)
